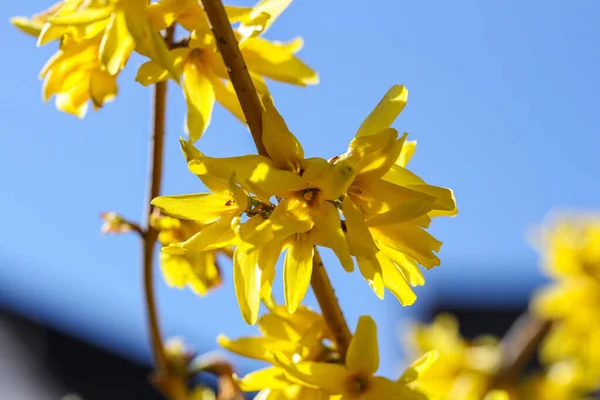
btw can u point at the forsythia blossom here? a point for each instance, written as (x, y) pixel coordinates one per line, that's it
(571, 255)
(305, 367)
(96, 39)
(363, 204)
(204, 78)
(200, 271)
(463, 369)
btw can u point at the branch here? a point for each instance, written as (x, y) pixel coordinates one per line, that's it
(172, 386)
(330, 306)
(518, 345)
(237, 69)
(246, 93)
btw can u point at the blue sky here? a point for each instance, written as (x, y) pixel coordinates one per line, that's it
(503, 102)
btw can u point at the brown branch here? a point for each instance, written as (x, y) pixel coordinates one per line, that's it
(330, 306)
(172, 386)
(518, 346)
(237, 69)
(246, 93)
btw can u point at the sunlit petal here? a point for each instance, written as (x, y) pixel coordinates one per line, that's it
(247, 279)
(297, 270)
(363, 352)
(327, 220)
(385, 112)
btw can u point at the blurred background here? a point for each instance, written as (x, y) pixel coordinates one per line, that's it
(503, 102)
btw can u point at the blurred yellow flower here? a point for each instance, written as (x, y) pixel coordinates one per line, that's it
(96, 39)
(463, 369)
(298, 337)
(356, 379)
(571, 255)
(204, 76)
(200, 271)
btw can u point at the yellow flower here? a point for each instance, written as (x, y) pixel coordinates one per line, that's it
(74, 75)
(395, 204)
(204, 76)
(304, 216)
(571, 254)
(356, 378)
(96, 38)
(463, 369)
(559, 382)
(200, 271)
(297, 337)
(383, 225)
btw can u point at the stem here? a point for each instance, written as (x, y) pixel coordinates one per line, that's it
(519, 344)
(246, 93)
(330, 307)
(237, 69)
(150, 235)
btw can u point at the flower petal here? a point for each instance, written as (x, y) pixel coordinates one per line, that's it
(406, 265)
(270, 377)
(82, 16)
(216, 235)
(405, 211)
(30, 26)
(254, 172)
(412, 240)
(259, 348)
(385, 112)
(297, 270)
(363, 352)
(199, 95)
(383, 388)
(277, 61)
(163, 13)
(117, 44)
(263, 14)
(419, 367)
(283, 147)
(267, 260)
(395, 282)
(375, 164)
(359, 237)
(246, 279)
(371, 271)
(103, 88)
(361, 146)
(331, 180)
(328, 377)
(226, 96)
(152, 72)
(327, 220)
(407, 152)
(202, 207)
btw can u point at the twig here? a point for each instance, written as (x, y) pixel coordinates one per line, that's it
(246, 92)
(330, 306)
(518, 345)
(171, 385)
(237, 69)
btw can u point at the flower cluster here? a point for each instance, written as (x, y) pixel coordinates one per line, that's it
(571, 249)
(463, 368)
(363, 204)
(305, 366)
(97, 38)
(199, 271)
